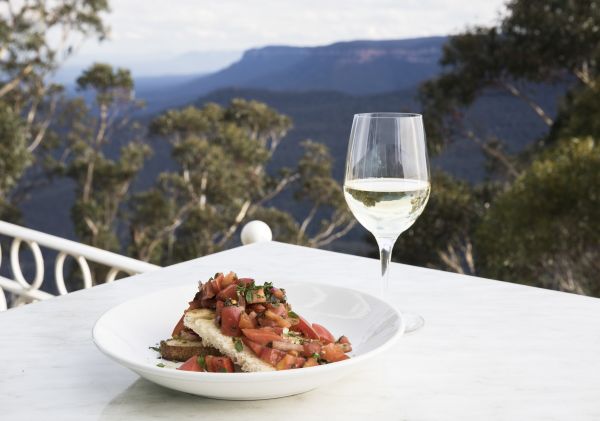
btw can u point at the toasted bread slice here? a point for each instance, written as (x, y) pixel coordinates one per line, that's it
(202, 321)
(182, 350)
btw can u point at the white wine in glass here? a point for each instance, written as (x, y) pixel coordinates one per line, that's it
(387, 182)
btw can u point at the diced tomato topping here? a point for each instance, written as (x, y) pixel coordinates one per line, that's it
(305, 328)
(218, 309)
(279, 321)
(299, 362)
(216, 283)
(228, 279)
(230, 320)
(256, 348)
(218, 364)
(323, 333)
(229, 292)
(264, 322)
(271, 356)
(257, 308)
(344, 340)
(277, 293)
(310, 362)
(261, 336)
(245, 281)
(191, 365)
(178, 328)
(311, 348)
(287, 362)
(258, 296)
(279, 309)
(246, 322)
(332, 353)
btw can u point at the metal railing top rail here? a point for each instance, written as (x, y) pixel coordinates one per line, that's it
(74, 248)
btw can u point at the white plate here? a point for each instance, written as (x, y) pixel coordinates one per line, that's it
(126, 332)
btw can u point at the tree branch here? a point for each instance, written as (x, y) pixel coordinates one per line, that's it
(532, 104)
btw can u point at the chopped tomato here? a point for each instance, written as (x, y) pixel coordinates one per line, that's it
(310, 362)
(246, 322)
(258, 296)
(271, 356)
(287, 362)
(305, 328)
(280, 310)
(217, 283)
(178, 327)
(219, 364)
(279, 321)
(230, 320)
(277, 293)
(323, 333)
(344, 340)
(264, 322)
(191, 364)
(229, 292)
(256, 348)
(257, 308)
(228, 279)
(218, 309)
(287, 346)
(299, 362)
(332, 353)
(311, 348)
(244, 281)
(261, 336)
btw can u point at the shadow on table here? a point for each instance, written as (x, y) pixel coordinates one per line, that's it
(144, 399)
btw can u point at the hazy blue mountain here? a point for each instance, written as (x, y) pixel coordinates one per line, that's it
(357, 67)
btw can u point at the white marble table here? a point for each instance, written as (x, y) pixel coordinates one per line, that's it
(489, 351)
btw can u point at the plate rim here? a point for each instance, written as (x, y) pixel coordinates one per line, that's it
(251, 376)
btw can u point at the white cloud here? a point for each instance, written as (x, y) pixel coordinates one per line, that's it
(150, 28)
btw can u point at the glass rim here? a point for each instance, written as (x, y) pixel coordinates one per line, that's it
(388, 115)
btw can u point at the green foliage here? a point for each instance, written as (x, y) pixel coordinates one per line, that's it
(221, 181)
(102, 182)
(31, 51)
(542, 227)
(544, 230)
(14, 157)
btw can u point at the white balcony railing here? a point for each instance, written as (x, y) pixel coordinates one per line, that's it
(23, 291)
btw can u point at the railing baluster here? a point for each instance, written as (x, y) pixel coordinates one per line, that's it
(59, 277)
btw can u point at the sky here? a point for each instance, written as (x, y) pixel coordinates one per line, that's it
(146, 31)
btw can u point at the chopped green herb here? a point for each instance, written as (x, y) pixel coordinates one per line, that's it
(239, 347)
(293, 315)
(222, 370)
(154, 348)
(202, 362)
(161, 365)
(315, 356)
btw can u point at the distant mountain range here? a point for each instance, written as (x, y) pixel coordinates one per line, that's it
(357, 67)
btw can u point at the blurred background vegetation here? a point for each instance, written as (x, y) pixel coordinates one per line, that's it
(533, 218)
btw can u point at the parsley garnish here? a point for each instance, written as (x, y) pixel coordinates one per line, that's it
(239, 347)
(161, 365)
(293, 315)
(154, 348)
(202, 362)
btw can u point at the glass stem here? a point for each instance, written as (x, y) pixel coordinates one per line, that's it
(386, 246)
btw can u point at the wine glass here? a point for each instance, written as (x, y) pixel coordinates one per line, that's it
(387, 182)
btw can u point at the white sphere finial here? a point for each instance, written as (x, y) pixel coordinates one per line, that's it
(256, 232)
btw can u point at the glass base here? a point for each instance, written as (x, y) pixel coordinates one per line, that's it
(412, 322)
